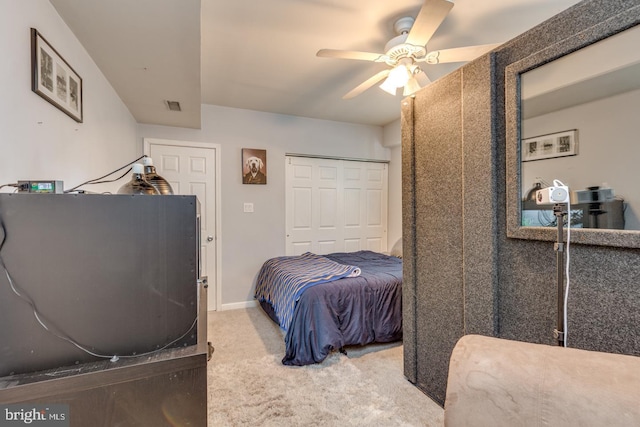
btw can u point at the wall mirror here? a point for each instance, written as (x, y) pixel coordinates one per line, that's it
(572, 115)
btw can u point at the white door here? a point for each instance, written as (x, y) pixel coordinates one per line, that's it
(193, 169)
(365, 194)
(335, 205)
(313, 220)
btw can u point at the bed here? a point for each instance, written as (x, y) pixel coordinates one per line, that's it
(356, 300)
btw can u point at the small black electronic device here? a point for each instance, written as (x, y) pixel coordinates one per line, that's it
(42, 186)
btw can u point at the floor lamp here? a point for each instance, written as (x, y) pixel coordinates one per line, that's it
(559, 212)
(558, 194)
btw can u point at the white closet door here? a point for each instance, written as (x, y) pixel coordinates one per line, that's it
(366, 204)
(335, 205)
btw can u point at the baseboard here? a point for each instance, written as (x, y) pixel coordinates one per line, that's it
(238, 305)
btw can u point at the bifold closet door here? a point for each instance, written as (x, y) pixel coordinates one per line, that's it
(335, 205)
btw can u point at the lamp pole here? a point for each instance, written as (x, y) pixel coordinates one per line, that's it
(559, 212)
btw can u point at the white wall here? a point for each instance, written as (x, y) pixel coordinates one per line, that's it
(37, 140)
(248, 239)
(40, 142)
(608, 149)
(395, 196)
(392, 135)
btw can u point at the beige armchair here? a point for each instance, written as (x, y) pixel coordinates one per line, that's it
(495, 382)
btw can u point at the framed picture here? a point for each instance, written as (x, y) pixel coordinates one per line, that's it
(254, 166)
(558, 144)
(53, 78)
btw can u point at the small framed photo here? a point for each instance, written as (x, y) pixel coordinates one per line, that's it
(54, 79)
(254, 166)
(558, 144)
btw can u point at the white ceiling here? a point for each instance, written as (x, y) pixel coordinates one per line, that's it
(260, 55)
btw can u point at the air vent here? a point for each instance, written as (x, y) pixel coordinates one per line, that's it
(173, 105)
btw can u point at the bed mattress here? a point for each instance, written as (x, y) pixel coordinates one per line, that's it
(349, 311)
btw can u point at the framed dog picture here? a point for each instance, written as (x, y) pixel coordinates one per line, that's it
(254, 166)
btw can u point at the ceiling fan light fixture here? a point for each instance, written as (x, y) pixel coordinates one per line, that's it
(411, 87)
(403, 52)
(389, 87)
(399, 76)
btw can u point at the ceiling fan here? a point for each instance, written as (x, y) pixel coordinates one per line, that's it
(404, 52)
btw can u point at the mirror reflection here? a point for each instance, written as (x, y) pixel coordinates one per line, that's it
(581, 125)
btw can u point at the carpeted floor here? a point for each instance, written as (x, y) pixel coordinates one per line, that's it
(249, 386)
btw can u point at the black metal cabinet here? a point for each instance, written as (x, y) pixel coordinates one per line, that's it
(118, 275)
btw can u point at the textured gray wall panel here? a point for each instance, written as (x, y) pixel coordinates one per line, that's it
(464, 267)
(602, 311)
(438, 225)
(479, 197)
(408, 243)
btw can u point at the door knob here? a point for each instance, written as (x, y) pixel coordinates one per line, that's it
(209, 238)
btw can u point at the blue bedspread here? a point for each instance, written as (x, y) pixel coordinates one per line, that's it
(282, 280)
(350, 311)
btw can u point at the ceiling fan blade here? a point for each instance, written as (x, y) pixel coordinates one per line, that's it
(459, 54)
(428, 20)
(349, 54)
(367, 84)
